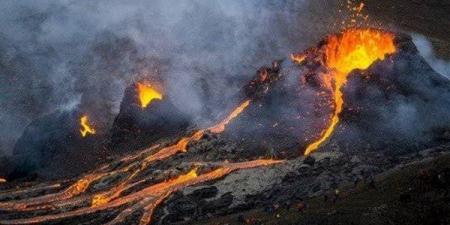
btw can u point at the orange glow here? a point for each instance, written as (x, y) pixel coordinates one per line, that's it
(147, 93)
(73, 199)
(85, 127)
(360, 7)
(220, 127)
(147, 198)
(2, 180)
(180, 146)
(99, 200)
(298, 58)
(353, 49)
(177, 181)
(357, 49)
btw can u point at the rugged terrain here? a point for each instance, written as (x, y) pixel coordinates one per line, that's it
(415, 192)
(248, 168)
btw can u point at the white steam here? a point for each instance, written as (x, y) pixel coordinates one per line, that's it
(426, 50)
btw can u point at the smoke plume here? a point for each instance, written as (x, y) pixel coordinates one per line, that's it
(81, 55)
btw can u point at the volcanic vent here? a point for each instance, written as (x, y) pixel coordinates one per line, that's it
(358, 81)
(146, 115)
(379, 86)
(343, 53)
(305, 113)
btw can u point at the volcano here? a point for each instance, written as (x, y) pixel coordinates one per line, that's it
(145, 116)
(360, 103)
(362, 84)
(51, 142)
(387, 99)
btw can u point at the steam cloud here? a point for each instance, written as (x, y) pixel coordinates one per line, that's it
(426, 50)
(58, 55)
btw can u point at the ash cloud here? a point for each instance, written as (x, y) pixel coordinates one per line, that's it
(81, 55)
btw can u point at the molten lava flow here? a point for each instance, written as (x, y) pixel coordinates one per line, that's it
(85, 127)
(147, 94)
(219, 128)
(147, 198)
(353, 49)
(33, 203)
(357, 49)
(86, 197)
(180, 146)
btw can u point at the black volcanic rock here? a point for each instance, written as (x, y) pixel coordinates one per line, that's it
(207, 192)
(309, 160)
(279, 117)
(399, 102)
(371, 92)
(52, 147)
(135, 128)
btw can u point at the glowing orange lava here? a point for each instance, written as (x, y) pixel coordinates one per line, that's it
(148, 198)
(79, 199)
(147, 93)
(180, 146)
(85, 127)
(220, 127)
(298, 58)
(345, 52)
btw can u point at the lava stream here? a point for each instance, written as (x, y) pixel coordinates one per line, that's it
(102, 198)
(345, 52)
(149, 197)
(73, 190)
(180, 146)
(219, 128)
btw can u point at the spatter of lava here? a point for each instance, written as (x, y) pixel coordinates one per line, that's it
(354, 48)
